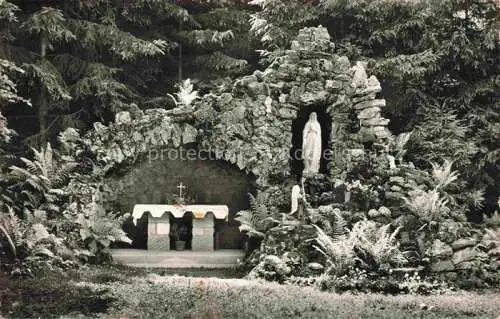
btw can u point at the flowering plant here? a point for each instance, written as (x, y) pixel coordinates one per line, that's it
(350, 186)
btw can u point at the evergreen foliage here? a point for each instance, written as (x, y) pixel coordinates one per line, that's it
(8, 93)
(277, 21)
(92, 59)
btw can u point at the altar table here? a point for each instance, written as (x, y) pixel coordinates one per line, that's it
(159, 223)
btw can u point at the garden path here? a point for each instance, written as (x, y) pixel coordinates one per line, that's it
(225, 258)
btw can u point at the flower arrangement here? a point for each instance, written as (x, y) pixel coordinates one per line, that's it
(354, 185)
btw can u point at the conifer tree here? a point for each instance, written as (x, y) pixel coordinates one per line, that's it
(70, 54)
(88, 65)
(212, 41)
(277, 21)
(8, 89)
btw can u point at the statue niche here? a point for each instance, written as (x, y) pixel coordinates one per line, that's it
(310, 142)
(311, 145)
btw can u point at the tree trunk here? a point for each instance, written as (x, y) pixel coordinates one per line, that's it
(42, 116)
(179, 65)
(42, 98)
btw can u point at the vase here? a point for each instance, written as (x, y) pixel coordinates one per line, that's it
(347, 196)
(180, 245)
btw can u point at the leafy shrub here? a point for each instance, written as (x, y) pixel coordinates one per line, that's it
(365, 245)
(271, 268)
(99, 228)
(254, 222)
(38, 184)
(357, 280)
(439, 195)
(428, 205)
(41, 227)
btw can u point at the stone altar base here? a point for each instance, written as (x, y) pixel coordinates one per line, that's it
(203, 234)
(158, 233)
(224, 258)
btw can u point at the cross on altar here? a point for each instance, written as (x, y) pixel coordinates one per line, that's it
(181, 187)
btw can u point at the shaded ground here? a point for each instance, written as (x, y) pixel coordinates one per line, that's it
(118, 292)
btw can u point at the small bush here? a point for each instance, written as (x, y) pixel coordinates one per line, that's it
(362, 281)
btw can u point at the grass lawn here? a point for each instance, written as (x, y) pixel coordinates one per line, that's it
(118, 292)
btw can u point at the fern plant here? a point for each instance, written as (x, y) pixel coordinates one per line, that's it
(436, 203)
(399, 146)
(28, 237)
(9, 228)
(338, 251)
(186, 95)
(251, 220)
(38, 184)
(99, 228)
(338, 225)
(443, 175)
(37, 240)
(427, 205)
(365, 245)
(380, 245)
(249, 224)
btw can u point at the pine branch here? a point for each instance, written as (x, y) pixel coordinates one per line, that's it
(8, 89)
(45, 74)
(93, 35)
(220, 62)
(412, 67)
(8, 11)
(224, 19)
(279, 20)
(141, 12)
(206, 37)
(104, 89)
(74, 68)
(50, 23)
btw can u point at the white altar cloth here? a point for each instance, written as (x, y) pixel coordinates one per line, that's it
(178, 211)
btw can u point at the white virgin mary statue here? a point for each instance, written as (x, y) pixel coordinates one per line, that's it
(311, 145)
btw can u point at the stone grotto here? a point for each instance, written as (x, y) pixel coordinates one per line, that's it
(251, 129)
